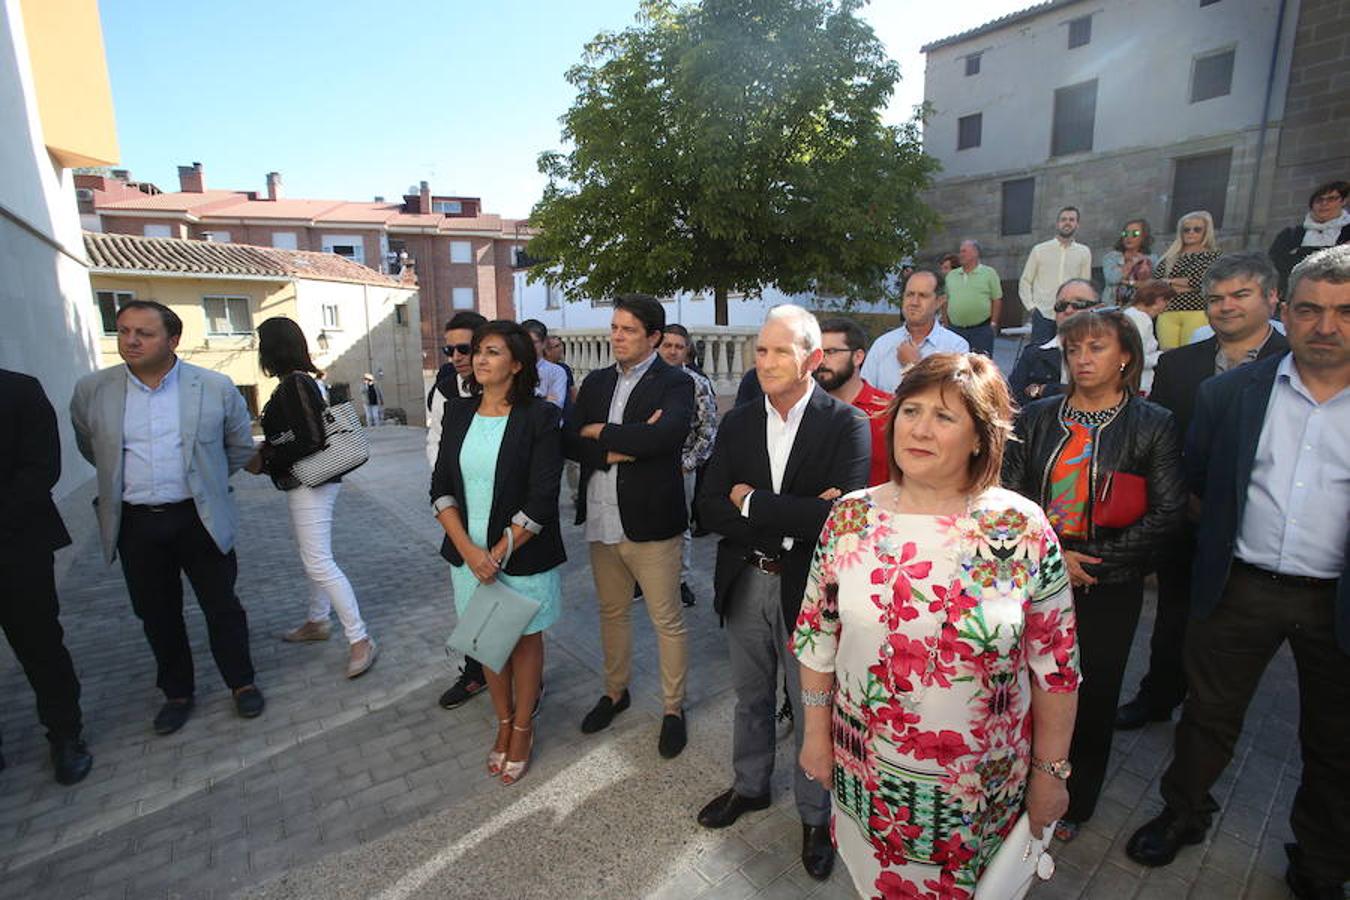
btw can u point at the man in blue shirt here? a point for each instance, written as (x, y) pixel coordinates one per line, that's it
(1268, 458)
(921, 335)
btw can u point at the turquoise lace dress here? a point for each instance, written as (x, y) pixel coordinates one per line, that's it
(478, 464)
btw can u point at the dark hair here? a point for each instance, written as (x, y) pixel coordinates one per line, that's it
(940, 283)
(521, 347)
(1244, 264)
(535, 328)
(173, 325)
(1151, 291)
(950, 258)
(645, 308)
(983, 390)
(1072, 209)
(1145, 241)
(1340, 187)
(1109, 320)
(467, 319)
(677, 329)
(282, 348)
(854, 336)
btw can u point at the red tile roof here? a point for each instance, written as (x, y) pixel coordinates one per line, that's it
(126, 252)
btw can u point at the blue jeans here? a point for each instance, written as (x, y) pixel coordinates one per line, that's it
(979, 337)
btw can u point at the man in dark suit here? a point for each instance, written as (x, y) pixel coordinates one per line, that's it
(31, 531)
(1268, 456)
(1241, 298)
(777, 466)
(628, 431)
(1039, 371)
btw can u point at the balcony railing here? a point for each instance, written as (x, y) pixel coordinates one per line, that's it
(727, 352)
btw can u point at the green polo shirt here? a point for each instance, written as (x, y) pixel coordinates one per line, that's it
(970, 296)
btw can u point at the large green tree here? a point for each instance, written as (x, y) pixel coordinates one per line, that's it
(726, 145)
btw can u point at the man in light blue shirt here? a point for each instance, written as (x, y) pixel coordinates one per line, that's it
(922, 334)
(165, 436)
(1268, 458)
(552, 377)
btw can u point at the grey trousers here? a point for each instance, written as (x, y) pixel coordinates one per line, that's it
(758, 639)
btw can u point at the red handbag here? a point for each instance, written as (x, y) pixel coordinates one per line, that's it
(1121, 501)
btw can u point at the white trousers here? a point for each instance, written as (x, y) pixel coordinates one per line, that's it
(312, 520)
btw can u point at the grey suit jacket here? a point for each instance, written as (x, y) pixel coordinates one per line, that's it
(217, 440)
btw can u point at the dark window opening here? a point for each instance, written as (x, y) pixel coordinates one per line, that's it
(1018, 197)
(1075, 114)
(1201, 182)
(1080, 32)
(968, 131)
(1212, 76)
(973, 64)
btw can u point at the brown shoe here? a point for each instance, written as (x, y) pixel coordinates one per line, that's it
(362, 658)
(306, 633)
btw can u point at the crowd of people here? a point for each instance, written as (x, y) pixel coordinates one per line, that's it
(944, 566)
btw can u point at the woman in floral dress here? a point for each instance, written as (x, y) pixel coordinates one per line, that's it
(937, 645)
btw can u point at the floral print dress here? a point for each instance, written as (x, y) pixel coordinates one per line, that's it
(934, 627)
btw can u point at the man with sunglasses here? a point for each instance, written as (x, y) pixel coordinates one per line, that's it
(452, 381)
(1040, 370)
(1050, 265)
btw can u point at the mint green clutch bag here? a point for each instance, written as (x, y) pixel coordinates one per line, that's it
(494, 619)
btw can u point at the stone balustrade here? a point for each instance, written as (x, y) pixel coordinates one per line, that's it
(725, 352)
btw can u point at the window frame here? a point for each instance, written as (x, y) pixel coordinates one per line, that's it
(468, 252)
(1080, 27)
(1003, 206)
(963, 141)
(234, 331)
(167, 230)
(331, 322)
(1216, 205)
(1201, 58)
(453, 207)
(117, 302)
(457, 292)
(973, 61)
(294, 238)
(1057, 139)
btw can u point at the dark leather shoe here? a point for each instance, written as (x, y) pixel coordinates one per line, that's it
(1157, 841)
(248, 702)
(673, 736)
(727, 808)
(1138, 713)
(71, 760)
(1306, 888)
(687, 595)
(604, 712)
(173, 715)
(817, 851)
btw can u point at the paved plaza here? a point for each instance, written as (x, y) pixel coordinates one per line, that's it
(367, 788)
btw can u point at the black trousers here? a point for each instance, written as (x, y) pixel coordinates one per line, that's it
(157, 549)
(1226, 654)
(1107, 615)
(1164, 687)
(29, 615)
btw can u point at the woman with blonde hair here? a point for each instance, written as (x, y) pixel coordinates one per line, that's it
(1184, 266)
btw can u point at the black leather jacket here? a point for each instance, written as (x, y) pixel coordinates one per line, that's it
(1141, 440)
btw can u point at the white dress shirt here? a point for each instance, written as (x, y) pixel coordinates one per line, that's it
(1049, 265)
(780, 433)
(882, 368)
(603, 520)
(153, 471)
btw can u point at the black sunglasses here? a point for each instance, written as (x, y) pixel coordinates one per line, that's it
(1061, 305)
(452, 349)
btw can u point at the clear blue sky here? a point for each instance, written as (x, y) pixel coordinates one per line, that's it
(349, 100)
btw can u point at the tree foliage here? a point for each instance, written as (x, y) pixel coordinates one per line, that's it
(729, 145)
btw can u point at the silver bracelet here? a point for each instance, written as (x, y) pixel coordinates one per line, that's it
(818, 698)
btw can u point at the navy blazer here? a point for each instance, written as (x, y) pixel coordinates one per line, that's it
(1220, 450)
(1181, 371)
(833, 448)
(30, 465)
(528, 476)
(1037, 365)
(652, 504)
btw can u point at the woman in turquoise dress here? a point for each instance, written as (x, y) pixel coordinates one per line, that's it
(498, 468)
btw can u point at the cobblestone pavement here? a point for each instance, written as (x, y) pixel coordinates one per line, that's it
(367, 788)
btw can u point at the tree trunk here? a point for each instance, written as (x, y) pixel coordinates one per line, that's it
(720, 305)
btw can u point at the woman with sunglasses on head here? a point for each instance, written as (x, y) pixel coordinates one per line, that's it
(1104, 464)
(498, 469)
(1183, 266)
(1129, 263)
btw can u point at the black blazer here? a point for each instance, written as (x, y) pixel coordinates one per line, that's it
(1220, 450)
(30, 464)
(833, 448)
(529, 472)
(1037, 365)
(1180, 372)
(651, 489)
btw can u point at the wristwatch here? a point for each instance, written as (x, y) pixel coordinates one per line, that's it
(1060, 768)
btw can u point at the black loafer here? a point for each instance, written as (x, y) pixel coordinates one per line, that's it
(727, 808)
(248, 702)
(173, 715)
(817, 851)
(1138, 713)
(673, 735)
(71, 760)
(604, 712)
(1157, 841)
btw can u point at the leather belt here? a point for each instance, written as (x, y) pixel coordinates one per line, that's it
(976, 325)
(771, 565)
(154, 507)
(1298, 581)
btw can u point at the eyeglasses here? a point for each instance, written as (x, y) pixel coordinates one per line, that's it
(1132, 232)
(461, 349)
(1329, 198)
(1061, 305)
(1193, 229)
(828, 351)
